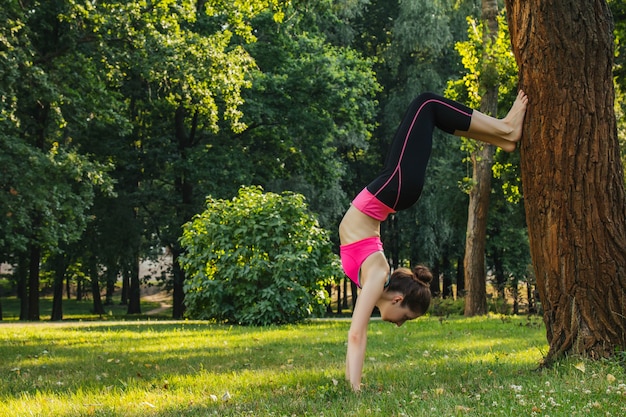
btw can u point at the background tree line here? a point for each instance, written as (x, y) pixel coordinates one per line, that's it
(119, 118)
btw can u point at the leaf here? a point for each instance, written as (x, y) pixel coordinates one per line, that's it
(580, 366)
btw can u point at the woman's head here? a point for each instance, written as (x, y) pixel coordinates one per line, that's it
(414, 285)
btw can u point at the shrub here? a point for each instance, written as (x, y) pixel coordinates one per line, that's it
(258, 259)
(447, 306)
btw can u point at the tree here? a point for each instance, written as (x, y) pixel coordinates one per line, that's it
(572, 175)
(490, 78)
(260, 258)
(53, 89)
(482, 161)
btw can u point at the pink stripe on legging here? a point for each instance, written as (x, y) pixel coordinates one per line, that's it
(406, 139)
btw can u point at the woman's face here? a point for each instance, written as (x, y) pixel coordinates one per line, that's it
(395, 313)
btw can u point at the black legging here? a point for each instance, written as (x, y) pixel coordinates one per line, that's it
(401, 182)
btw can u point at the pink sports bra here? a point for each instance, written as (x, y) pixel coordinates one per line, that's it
(354, 254)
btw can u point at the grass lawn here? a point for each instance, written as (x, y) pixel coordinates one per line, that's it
(82, 310)
(456, 367)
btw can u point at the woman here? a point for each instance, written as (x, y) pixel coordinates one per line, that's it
(405, 295)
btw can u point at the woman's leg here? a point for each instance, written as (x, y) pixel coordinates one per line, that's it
(504, 133)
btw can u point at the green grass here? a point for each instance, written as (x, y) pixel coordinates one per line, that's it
(79, 310)
(457, 367)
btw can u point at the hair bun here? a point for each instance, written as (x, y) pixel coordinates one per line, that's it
(423, 274)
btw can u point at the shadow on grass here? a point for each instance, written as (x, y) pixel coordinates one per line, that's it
(40, 355)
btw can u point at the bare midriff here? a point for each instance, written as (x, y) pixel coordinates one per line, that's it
(357, 226)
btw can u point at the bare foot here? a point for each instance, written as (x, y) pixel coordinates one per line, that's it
(515, 118)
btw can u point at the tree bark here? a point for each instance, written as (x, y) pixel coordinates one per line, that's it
(33, 283)
(571, 172)
(178, 285)
(134, 288)
(59, 264)
(125, 286)
(94, 275)
(482, 162)
(460, 274)
(21, 276)
(446, 291)
(111, 278)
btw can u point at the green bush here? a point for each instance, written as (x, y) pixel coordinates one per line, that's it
(450, 307)
(499, 306)
(447, 306)
(258, 259)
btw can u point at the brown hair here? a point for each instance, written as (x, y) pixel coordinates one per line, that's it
(414, 286)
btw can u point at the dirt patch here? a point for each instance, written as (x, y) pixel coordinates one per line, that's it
(157, 295)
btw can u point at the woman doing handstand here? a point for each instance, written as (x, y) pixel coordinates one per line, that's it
(405, 294)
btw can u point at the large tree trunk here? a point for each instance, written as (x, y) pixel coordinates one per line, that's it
(571, 172)
(482, 161)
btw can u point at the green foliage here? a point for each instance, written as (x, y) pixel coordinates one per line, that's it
(507, 243)
(52, 91)
(618, 8)
(500, 69)
(257, 259)
(47, 204)
(444, 307)
(472, 51)
(309, 102)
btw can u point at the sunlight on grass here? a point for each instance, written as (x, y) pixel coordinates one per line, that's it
(479, 366)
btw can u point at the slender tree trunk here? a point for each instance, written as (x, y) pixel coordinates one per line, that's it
(339, 299)
(134, 290)
(516, 295)
(21, 275)
(111, 278)
(572, 173)
(94, 275)
(125, 286)
(60, 267)
(33, 283)
(460, 281)
(178, 293)
(499, 274)
(435, 284)
(447, 280)
(185, 140)
(79, 289)
(482, 161)
(68, 284)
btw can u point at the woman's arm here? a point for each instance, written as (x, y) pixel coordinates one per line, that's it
(374, 274)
